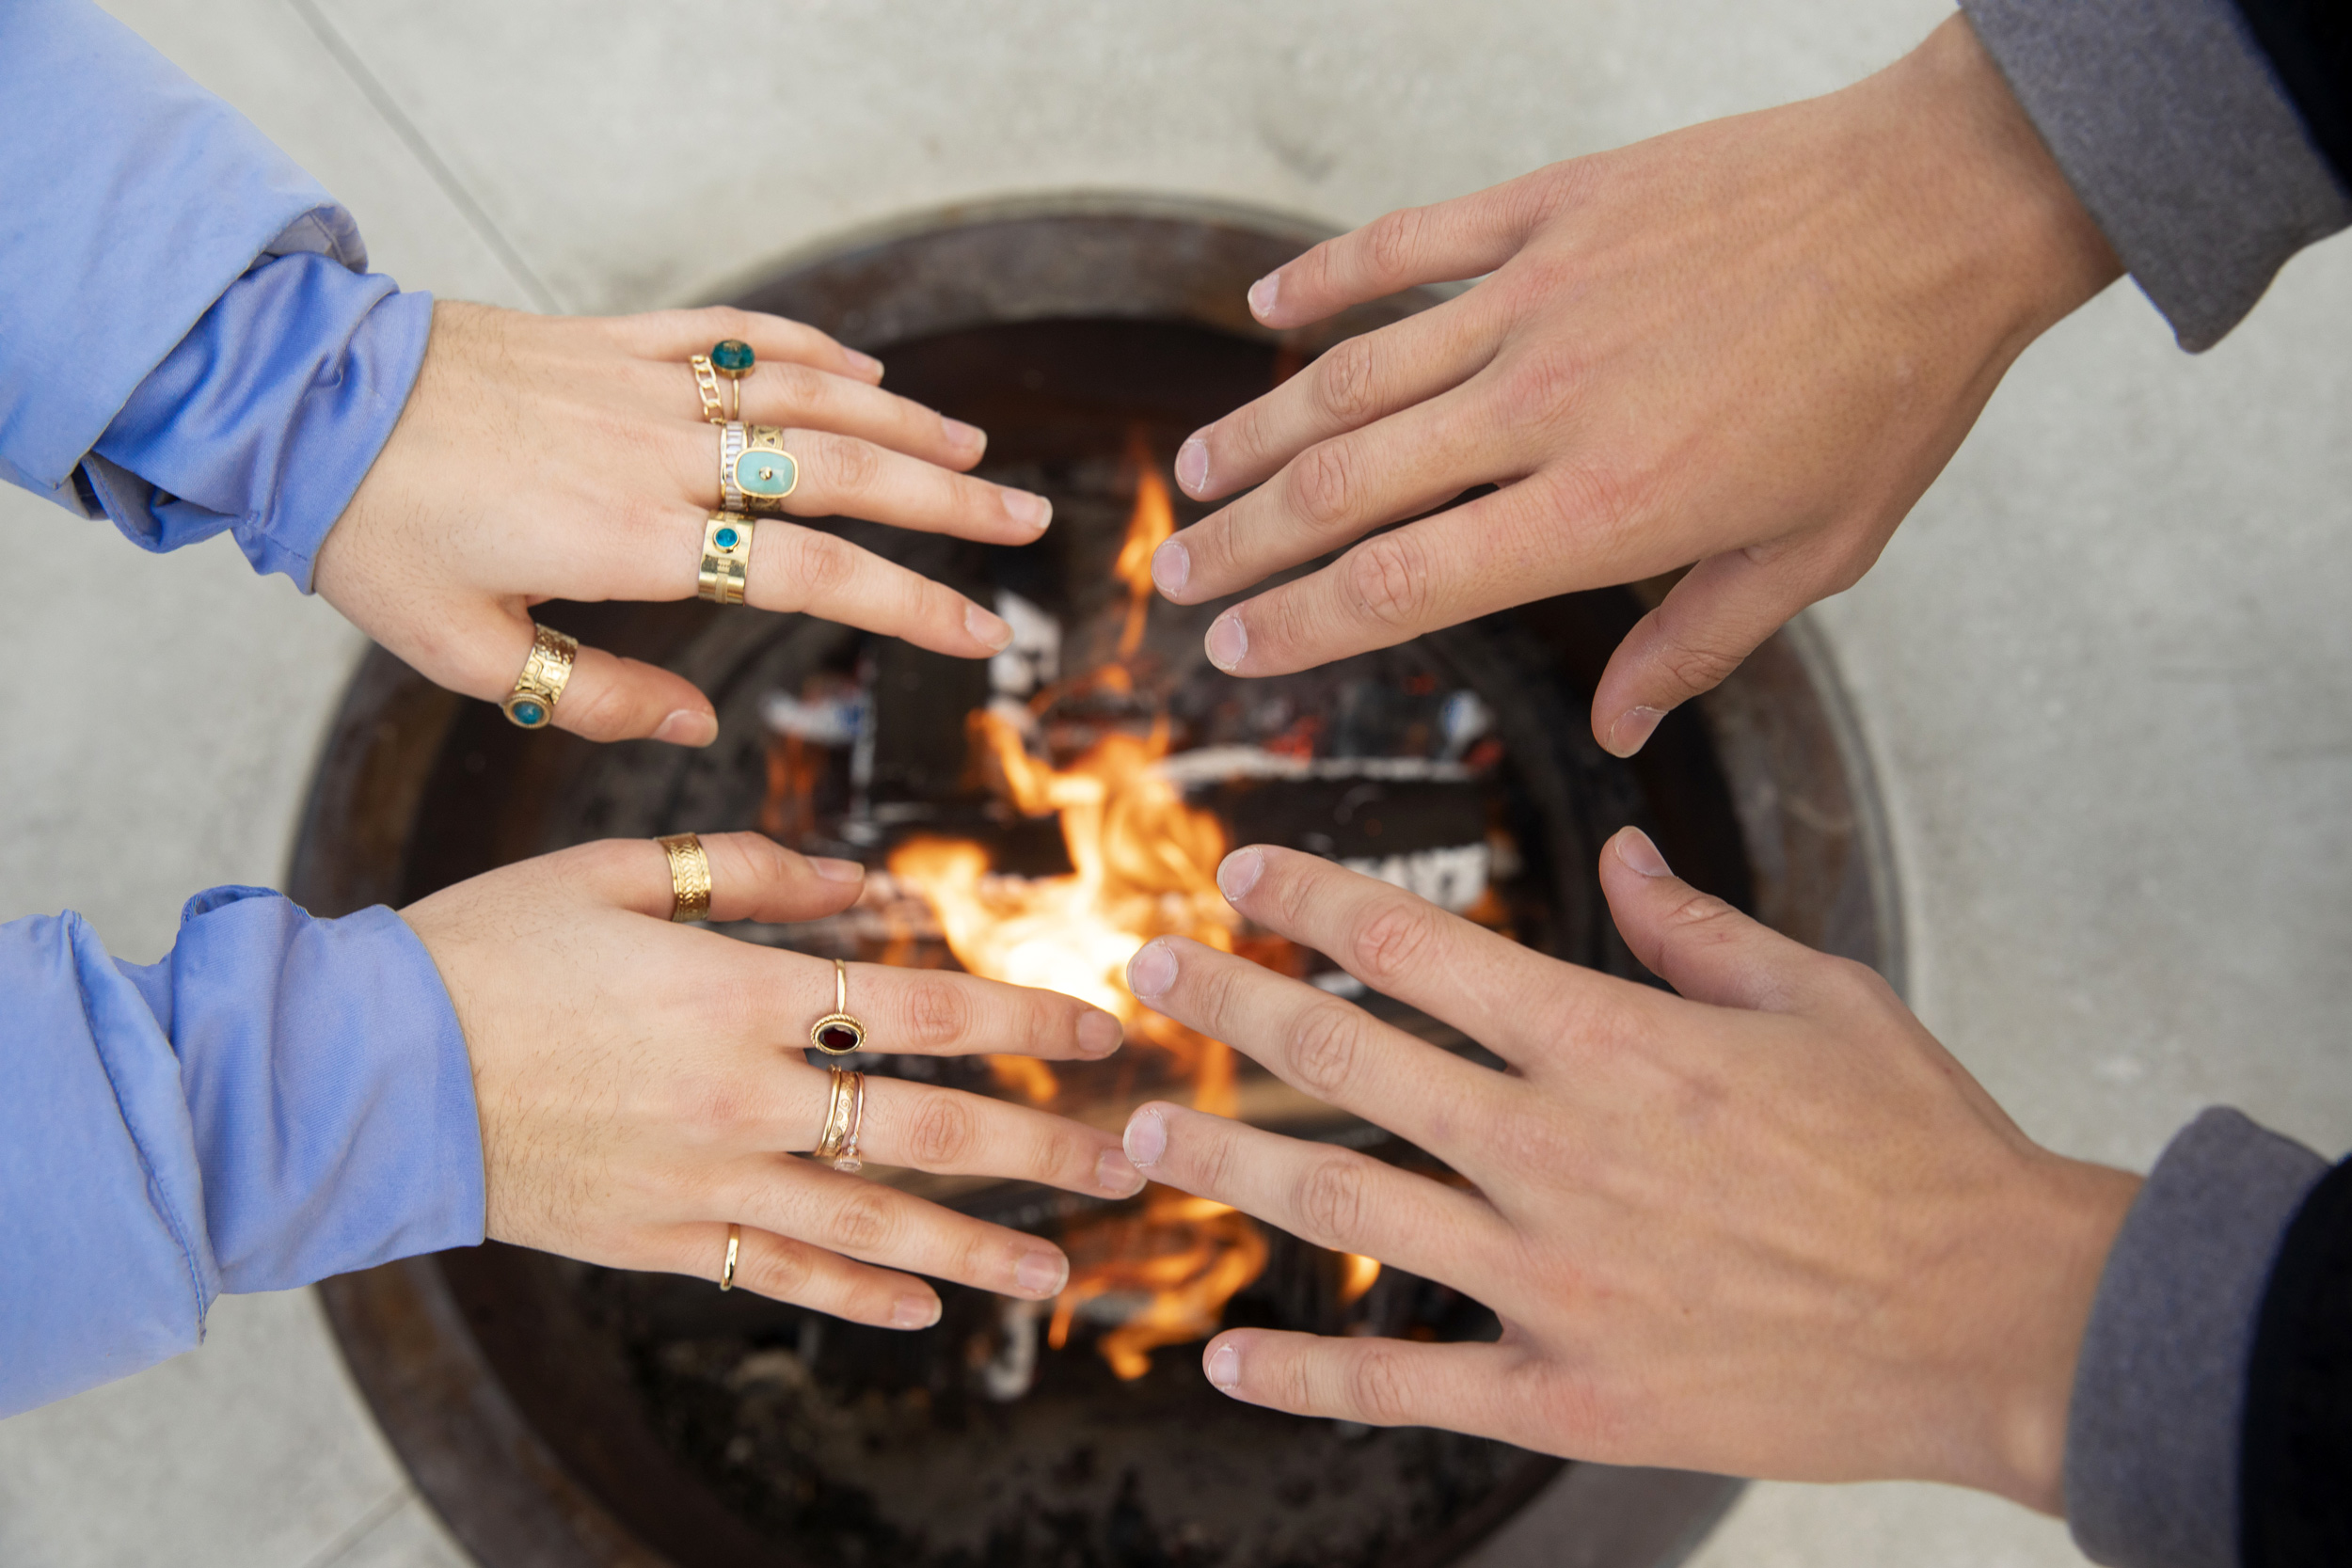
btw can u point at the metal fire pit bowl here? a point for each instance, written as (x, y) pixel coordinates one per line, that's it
(510, 1414)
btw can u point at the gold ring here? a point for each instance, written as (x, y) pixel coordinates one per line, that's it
(690, 877)
(546, 670)
(761, 472)
(726, 557)
(732, 440)
(707, 383)
(735, 1241)
(733, 359)
(844, 1118)
(837, 1034)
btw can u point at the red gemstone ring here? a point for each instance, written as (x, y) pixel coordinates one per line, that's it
(837, 1034)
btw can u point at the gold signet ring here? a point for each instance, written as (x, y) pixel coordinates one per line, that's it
(837, 1034)
(690, 877)
(546, 670)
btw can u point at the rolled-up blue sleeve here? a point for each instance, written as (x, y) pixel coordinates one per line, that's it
(189, 339)
(278, 1099)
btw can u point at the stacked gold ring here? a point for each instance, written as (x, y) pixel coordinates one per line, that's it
(546, 671)
(732, 440)
(706, 384)
(690, 877)
(844, 1118)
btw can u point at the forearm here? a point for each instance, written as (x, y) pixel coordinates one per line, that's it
(277, 1100)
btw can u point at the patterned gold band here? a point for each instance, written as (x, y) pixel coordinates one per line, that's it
(707, 383)
(844, 1118)
(546, 672)
(690, 877)
(726, 557)
(731, 443)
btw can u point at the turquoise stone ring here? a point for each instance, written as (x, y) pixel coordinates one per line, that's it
(768, 475)
(732, 358)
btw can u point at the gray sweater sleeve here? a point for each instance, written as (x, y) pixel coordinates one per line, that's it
(2152, 1436)
(2174, 131)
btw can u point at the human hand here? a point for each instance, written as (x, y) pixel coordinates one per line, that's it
(639, 1081)
(1767, 1227)
(1750, 346)
(566, 457)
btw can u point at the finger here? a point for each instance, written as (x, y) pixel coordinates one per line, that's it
(1482, 556)
(1495, 991)
(882, 1225)
(938, 1012)
(808, 571)
(1331, 494)
(1362, 379)
(1697, 942)
(779, 392)
(840, 476)
(1461, 238)
(607, 698)
(675, 335)
(953, 1133)
(1313, 1041)
(1332, 1197)
(752, 877)
(1481, 1389)
(1706, 625)
(784, 1269)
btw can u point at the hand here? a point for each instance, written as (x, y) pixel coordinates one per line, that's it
(558, 457)
(640, 1082)
(1751, 344)
(1772, 1229)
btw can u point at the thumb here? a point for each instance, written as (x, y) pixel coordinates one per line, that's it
(1709, 624)
(607, 698)
(1693, 940)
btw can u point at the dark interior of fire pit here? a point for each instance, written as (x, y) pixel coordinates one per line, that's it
(700, 1428)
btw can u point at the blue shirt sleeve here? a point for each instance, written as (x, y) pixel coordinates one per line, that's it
(279, 1099)
(189, 339)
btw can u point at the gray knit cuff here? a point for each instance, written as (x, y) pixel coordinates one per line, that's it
(2152, 1436)
(2173, 130)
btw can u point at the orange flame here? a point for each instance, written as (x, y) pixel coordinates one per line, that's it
(1357, 1274)
(1191, 1254)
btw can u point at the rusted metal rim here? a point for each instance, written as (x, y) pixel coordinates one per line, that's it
(1781, 728)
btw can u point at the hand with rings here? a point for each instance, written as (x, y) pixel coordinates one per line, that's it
(579, 458)
(645, 1102)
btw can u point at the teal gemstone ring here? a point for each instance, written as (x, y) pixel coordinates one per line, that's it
(763, 473)
(726, 557)
(546, 670)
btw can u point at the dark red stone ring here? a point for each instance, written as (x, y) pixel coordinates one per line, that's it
(837, 1034)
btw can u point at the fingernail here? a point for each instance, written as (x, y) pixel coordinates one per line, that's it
(913, 1311)
(1224, 1368)
(1113, 1174)
(1099, 1033)
(986, 630)
(689, 728)
(1635, 848)
(1028, 510)
(1151, 971)
(866, 364)
(1042, 1273)
(1239, 874)
(1633, 727)
(836, 871)
(971, 437)
(1172, 568)
(1192, 466)
(1228, 642)
(1146, 1139)
(1262, 295)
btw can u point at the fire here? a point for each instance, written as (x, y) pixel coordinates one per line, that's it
(1143, 865)
(1357, 1274)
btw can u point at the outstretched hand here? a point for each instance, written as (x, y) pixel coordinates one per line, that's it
(566, 457)
(1749, 345)
(1766, 1227)
(642, 1084)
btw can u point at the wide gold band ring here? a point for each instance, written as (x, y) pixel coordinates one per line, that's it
(690, 877)
(546, 670)
(726, 557)
(735, 1244)
(837, 1034)
(844, 1119)
(761, 474)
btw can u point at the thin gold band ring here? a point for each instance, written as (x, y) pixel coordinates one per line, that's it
(837, 1034)
(734, 1243)
(844, 1118)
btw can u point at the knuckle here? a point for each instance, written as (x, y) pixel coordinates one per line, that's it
(820, 564)
(1323, 1046)
(1331, 1199)
(601, 713)
(1394, 940)
(1389, 578)
(1700, 666)
(782, 1273)
(1377, 1387)
(1343, 386)
(802, 387)
(1393, 241)
(865, 1222)
(848, 464)
(1323, 483)
(938, 1014)
(943, 1131)
(1544, 383)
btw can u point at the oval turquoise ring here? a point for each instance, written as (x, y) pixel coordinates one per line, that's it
(733, 357)
(763, 471)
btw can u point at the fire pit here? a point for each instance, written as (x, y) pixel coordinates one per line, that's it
(1036, 819)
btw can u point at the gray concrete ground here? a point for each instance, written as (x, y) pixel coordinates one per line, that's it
(2103, 669)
